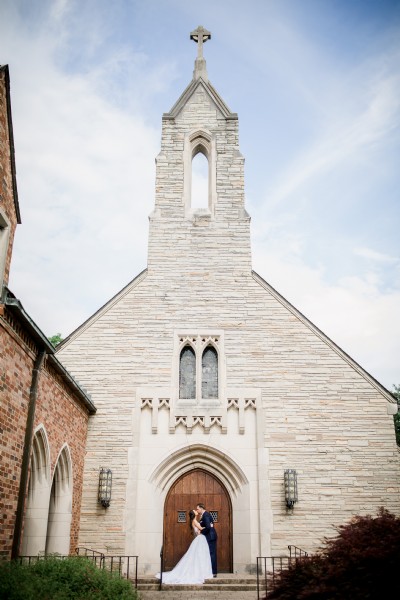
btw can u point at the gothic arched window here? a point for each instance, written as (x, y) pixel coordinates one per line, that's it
(187, 373)
(209, 373)
(200, 180)
(60, 509)
(37, 503)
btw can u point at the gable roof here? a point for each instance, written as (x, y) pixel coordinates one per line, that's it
(212, 93)
(103, 309)
(350, 361)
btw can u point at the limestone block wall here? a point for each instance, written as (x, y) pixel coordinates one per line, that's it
(198, 243)
(322, 417)
(319, 412)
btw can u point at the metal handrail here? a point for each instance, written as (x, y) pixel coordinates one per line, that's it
(115, 562)
(298, 552)
(36, 557)
(112, 562)
(275, 566)
(88, 552)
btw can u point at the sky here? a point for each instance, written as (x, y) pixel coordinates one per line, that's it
(316, 85)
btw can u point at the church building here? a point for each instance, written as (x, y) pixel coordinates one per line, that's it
(211, 387)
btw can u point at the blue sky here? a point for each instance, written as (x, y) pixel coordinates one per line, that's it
(317, 88)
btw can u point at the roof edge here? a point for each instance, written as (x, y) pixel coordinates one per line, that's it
(6, 71)
(15, 306)
(350, 361)
(189, 91)
(102, 310)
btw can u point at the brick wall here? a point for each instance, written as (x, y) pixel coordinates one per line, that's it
(15, 378)
(58, 410)
(6, 188)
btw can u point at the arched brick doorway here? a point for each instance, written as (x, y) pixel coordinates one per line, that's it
(193, 487)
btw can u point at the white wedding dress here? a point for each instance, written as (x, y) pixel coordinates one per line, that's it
(194, 566)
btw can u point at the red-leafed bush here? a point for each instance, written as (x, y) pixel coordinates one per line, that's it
(361, 563)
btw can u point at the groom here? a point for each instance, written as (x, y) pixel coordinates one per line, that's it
(207, 522)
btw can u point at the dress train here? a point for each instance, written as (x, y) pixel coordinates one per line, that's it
(194, 566)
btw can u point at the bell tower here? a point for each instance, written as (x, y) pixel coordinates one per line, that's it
(216, 237)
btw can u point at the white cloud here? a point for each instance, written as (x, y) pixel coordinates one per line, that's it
(86, 187)
(375, 256)
(85, 153)
(349, 136)
(353, 312)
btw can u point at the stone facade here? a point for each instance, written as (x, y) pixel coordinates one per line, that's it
(288, 396)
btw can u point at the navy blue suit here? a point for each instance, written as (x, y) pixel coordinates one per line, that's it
(207, 522)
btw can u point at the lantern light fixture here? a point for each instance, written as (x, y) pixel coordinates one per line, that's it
(105, 484)
(290, 478)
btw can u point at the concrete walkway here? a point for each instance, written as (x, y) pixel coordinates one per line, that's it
(196, 595)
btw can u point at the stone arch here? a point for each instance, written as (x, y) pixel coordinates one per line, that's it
(200, 456)
(200, 141)
(37, 504)
(60, 509)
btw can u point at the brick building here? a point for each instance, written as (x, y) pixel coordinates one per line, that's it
(43, 411)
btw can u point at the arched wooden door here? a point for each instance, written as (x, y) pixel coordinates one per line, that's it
(193, 487)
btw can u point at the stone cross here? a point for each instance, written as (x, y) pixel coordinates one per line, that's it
(200, 35)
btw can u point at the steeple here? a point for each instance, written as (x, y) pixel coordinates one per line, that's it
(200, 35)
(214, 238)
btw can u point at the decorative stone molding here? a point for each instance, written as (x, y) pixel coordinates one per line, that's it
(203, 416)
(191, 456)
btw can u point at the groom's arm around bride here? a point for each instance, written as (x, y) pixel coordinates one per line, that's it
(207, 522)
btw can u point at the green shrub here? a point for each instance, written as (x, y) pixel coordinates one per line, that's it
(74, 578)
(361, 563)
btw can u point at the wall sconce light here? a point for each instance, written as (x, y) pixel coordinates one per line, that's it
(291, 497)
(105, 483)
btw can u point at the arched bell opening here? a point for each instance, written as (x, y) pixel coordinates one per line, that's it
(200, 192)
(199, 174)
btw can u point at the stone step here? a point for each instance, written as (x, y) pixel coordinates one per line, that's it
(221, 579)
(221, 584)
(197, 595)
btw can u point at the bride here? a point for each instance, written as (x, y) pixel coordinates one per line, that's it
(194, 566)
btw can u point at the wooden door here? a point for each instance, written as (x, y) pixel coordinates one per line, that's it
(192, 488)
